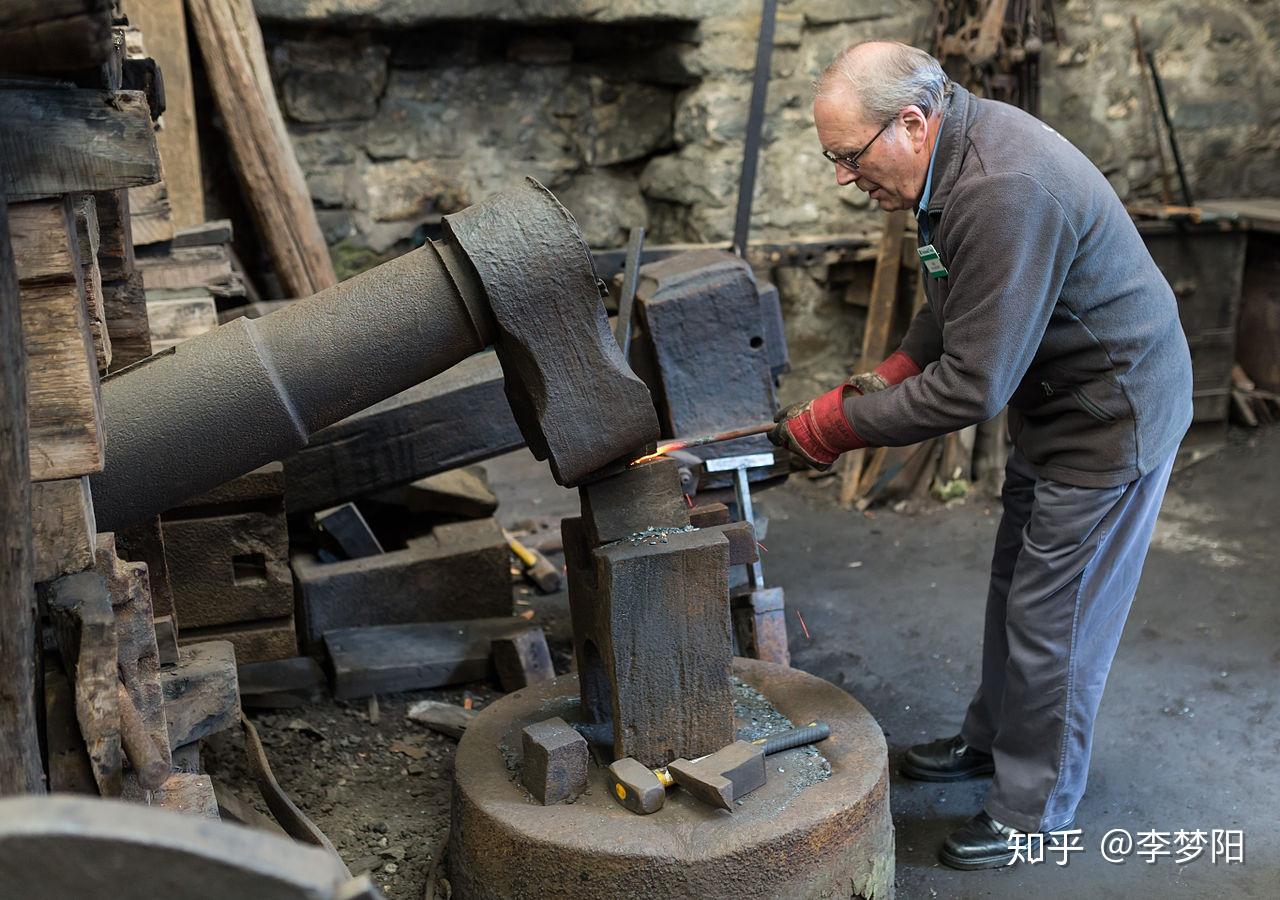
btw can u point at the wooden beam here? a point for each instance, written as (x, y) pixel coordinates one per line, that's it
(63, 401)
(115, 235)
(60, 140)
(62, 527)
(125, 304)
(20, 769)
(164, 22)
(86, 212)
(150, 215)
(174, 321)
(55, 36)
(46, 245)
(64, 405)
(272, 182)
(875, 337)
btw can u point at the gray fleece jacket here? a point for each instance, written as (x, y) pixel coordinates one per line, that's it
(1051, 305)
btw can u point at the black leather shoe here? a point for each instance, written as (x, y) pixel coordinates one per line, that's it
(946, 759)
(984, 843)
(980, 843)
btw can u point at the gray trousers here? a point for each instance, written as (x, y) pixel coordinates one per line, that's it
(1066, 566)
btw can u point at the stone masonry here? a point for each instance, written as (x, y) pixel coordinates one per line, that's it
(634, 113)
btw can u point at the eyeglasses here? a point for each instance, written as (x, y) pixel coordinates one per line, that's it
(851, 162)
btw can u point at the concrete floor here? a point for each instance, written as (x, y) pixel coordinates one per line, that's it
(1189, 733)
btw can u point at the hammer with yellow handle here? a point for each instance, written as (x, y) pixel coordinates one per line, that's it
(718, 778)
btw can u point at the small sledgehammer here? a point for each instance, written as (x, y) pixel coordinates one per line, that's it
(718, 778)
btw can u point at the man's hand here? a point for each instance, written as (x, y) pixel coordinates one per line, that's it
(897, 368)
(816, 430)
(794, 432)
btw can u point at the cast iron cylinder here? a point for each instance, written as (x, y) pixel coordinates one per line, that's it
(253, 391)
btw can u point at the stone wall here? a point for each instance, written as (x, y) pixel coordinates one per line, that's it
(633, 112)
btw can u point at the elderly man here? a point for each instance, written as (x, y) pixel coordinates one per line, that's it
(1042, 297)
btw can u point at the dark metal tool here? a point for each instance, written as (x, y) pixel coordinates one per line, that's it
(718, 778)
(1168, 124)
(702, 440)
(627, 296)
(755, 125)
(737, 770)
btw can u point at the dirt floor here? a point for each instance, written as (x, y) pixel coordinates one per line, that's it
(1188, 736)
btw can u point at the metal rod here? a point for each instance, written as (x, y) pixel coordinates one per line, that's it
(755, 124)
(742, 490)
(1168, 124)
(703, 440)
(1166, 188)
(627, 296)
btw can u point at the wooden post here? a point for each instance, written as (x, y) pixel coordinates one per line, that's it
(164, 23)
(20, 769)
(875, 338)
(272, 182)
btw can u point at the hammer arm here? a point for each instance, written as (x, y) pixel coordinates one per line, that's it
(796, 737)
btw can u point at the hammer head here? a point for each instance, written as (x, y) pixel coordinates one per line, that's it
(636, 786)
(723, 776)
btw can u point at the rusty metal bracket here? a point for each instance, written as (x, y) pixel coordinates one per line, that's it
(291, 819)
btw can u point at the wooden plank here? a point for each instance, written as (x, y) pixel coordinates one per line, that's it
(62, 527)
(875, 337)
(86, 216)
(124, 303)
(280, 683)
(69, 768)
(62, 390)
(179, 268)
(46, 246)
(164, 22)
(203, 234)
(22, 13)
(57, 141)
(174, 321)
(181, 792)
(115, 236)
(20, 769)
(273, 186)
(265, 639)
(144, 542)
(201, 695)
(150, 218)
(56, 37)
(385, 659)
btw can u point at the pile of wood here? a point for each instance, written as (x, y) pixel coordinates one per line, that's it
(946, 468)
(122, 706)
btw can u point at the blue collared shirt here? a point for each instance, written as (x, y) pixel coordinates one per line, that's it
(922, 212)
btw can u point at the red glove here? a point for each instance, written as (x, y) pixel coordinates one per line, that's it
(894, 370)
(816, 430)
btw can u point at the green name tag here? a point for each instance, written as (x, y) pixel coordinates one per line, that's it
(932, 264)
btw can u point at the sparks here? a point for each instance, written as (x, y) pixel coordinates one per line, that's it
(803, 626)
(662, 450)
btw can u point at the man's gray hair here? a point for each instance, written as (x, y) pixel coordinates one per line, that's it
(885, 79)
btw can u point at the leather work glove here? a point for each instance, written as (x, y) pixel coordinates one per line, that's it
(894, 370)
(816, 430)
